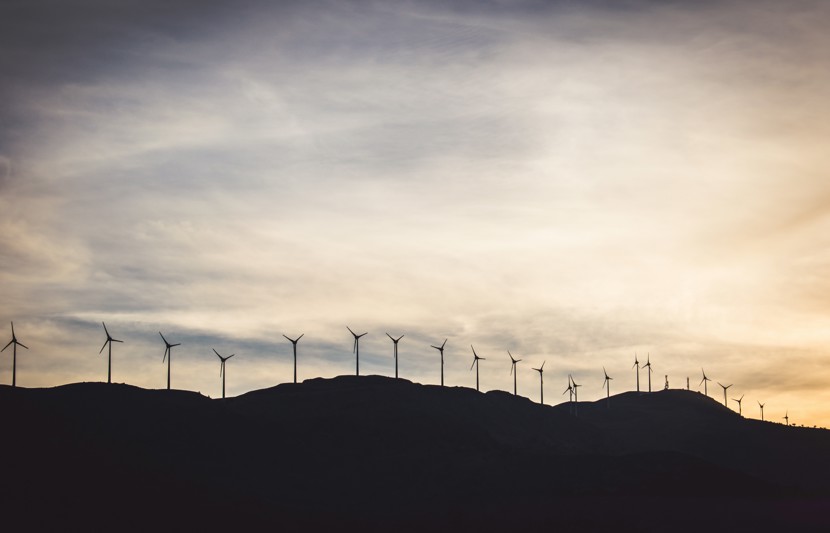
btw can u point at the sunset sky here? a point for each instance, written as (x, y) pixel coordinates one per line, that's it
(575, 181)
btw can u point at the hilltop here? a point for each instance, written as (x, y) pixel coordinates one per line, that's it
(379, 453)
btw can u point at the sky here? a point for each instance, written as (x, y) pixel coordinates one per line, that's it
(576, 182)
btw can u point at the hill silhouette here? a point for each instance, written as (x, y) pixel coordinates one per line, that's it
(373, 453)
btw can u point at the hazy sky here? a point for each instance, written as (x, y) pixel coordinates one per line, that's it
(573, 181)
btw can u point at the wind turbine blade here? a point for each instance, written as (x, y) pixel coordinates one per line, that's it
(162, 338)
(23, 345)
(165, 354)
(390, 336)
(443, 343)
(177, 344)
(300, 337)
(104, 346)
(217, 353)
(105, 329)
(116, 340)
(286, 336)
(474, 351)
(350, 330)
(10, 343)
(228, 357)
(474, 363)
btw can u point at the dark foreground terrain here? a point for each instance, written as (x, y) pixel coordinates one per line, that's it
(378, 454)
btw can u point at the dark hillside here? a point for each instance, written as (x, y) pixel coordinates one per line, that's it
(378, 453)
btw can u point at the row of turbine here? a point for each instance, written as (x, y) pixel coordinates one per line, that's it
(572, 388)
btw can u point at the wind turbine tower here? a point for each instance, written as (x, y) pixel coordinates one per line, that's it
(441, 349)
(513, 370)
(476, 359)
(724, 391)
(168, 354)
(762, 410)
(637, 366)
(739, 400)
(541, 371)
(222, 373)
(294, 345)
(648, 366)
(14, 343)
(395, 341)
(356, 349)
(109, 342)
(576, 394)
(607, 385)
(705, 381)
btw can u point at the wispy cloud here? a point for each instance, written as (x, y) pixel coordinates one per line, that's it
(575, 182)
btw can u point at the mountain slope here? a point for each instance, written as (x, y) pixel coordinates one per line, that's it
(376, 453)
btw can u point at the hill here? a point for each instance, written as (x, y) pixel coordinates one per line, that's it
(375, 453)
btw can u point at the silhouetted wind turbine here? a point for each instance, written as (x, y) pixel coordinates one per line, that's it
(541, 371)
(168, 355)
(724, 391)
(109, 341)
(441, 349)
(787, 418)
(294, 345)
(356, 350)
(222, 373)
(637, 364)
(607, 385)
(14, 343)
(705, 381)
(739, 400)
(762, 410)
(476, 359)
(576, 394)
(648, 366)
(513, 370)
(396, 352)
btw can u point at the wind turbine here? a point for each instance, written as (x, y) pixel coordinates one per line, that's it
(356, 349)
(576, 394)
(441, 349)
(541, 371)
(513, 370)
(705, 381)
(396, 352)
(476, 359)
(648, 365)
(607, 385)
(14, 343)
(724, 391)
(762, 410)
(637, 364)
(787, 417)
(570, 390)
(739, 403)
(222, 373)
(294, 344)
(109, 341)
(168, 355)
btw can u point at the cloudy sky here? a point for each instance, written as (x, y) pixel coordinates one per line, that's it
(576, 182)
